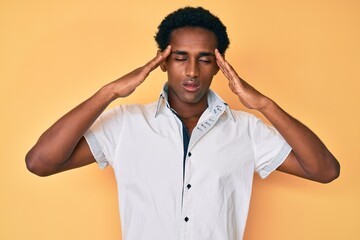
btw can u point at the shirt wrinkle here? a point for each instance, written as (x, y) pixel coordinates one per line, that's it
(169, 192)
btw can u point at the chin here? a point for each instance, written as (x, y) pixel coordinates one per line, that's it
(193, 100)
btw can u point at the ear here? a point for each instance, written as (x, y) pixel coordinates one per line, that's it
(163, 63)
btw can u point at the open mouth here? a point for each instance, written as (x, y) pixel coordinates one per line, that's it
(191, 86)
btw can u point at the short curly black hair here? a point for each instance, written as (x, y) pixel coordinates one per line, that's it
(192, 17)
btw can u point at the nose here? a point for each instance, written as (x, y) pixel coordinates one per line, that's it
(192, 69)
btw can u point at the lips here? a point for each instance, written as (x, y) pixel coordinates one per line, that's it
(191, 85)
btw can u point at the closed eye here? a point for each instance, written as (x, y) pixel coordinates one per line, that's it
(180, 59)
(205, 60)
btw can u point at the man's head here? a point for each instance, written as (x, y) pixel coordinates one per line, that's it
(192, 17)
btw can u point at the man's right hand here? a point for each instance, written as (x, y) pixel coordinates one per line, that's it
(127, 84)
(62, 146)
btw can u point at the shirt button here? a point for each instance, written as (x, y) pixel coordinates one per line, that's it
(189, 154)
(188, 186)
(186, 219)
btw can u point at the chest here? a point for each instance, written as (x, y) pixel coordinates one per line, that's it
(157, 153)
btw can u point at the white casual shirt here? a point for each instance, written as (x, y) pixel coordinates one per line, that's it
(163, 198)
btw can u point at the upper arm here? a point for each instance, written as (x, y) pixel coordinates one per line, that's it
(327, 171)
(291, 165)
(81, 156)
(41, 164)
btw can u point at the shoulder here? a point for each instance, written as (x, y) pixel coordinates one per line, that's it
(124, 115)
(251, 122)
(242, 117)
(131, 109)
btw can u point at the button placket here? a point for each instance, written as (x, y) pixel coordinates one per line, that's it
(187, 186)
(199, 131)
(202, 128)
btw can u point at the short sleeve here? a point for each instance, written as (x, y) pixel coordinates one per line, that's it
(102, 136)
(270, 148)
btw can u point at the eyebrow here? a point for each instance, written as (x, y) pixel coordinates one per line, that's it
(179, 52)
(201, 54)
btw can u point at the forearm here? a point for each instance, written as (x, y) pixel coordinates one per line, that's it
(310, 158)
(311, 153)
(60, 148)
(57, 143)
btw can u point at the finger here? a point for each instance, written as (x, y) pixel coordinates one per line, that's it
(231, 72)
(155, 62)
(219, 58)
(225, 72)
(235, 82)
(221, 62)
(226, 68)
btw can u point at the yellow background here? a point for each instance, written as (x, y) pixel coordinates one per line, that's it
(54, 54)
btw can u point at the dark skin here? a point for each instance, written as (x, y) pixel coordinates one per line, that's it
(190, 63)
(190, 68)
(62, 147)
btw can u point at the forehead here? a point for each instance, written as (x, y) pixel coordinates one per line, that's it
(193, 39)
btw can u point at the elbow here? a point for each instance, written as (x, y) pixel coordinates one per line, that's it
(35, 164)
(332, 173)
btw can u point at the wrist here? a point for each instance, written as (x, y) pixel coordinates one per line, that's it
(107, 93)
(267, 105)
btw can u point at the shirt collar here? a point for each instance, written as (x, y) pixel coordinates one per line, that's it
(215, 103)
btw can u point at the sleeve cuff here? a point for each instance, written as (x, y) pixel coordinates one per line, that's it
(95, 149)
(277, 161)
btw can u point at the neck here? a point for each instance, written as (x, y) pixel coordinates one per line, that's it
(189, 113)
(189, 110)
